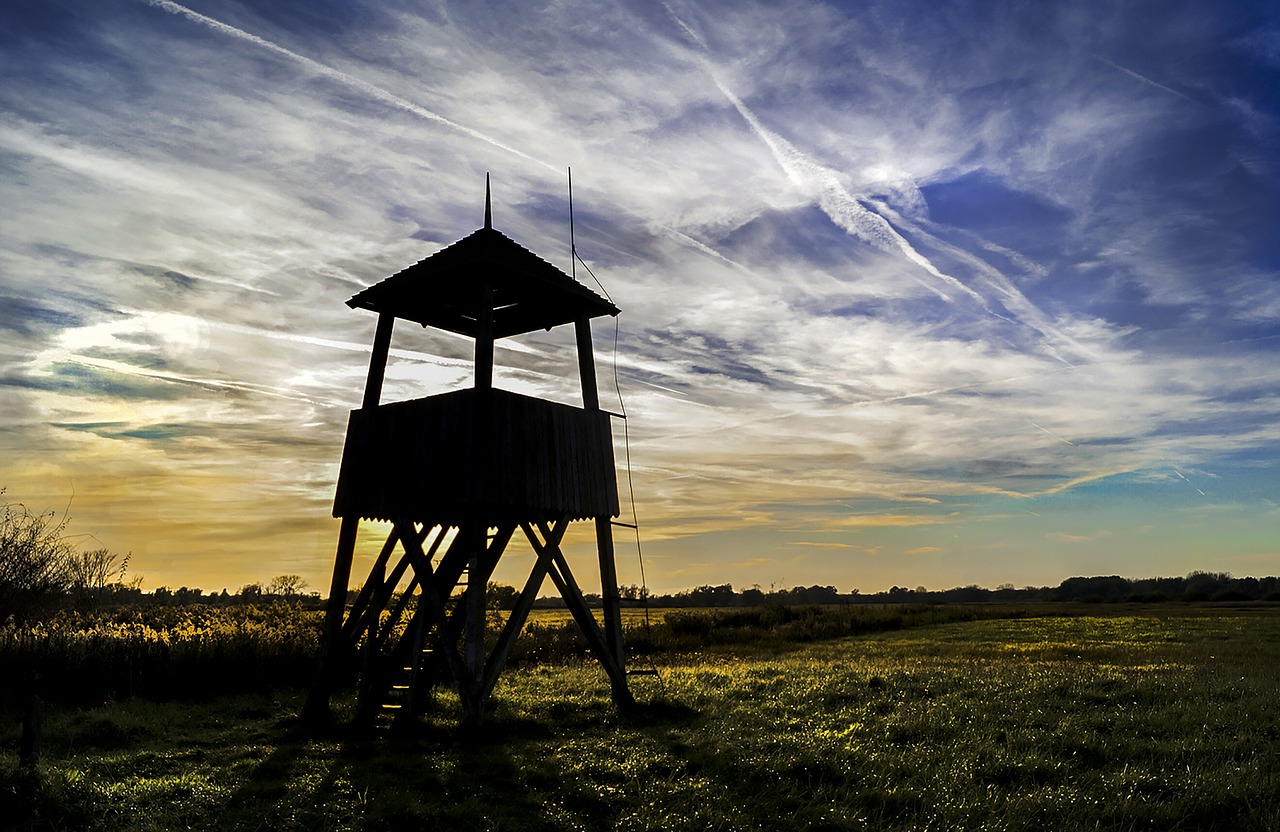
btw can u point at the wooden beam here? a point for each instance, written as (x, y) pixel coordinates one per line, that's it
(474, 601)
(435, 607)
(378, 360)
(316, 707)
(355, 620)
(405, 597)
(524, 604)
(609, 592)
(484, 341)
(586, 364)
(564, 581)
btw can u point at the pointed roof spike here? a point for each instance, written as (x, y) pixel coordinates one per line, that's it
(488, 210)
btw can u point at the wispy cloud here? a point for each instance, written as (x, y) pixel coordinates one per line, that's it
(373, 91)
(891, 282)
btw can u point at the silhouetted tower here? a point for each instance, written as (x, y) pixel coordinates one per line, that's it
(457, 475)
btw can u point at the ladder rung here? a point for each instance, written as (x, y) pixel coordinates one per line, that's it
(614, 415)
(626, 525)
(389, 707)
(642, 673)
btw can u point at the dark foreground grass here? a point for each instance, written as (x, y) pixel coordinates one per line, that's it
(1049, 724)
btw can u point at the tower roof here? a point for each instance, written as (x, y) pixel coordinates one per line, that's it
(447, 289)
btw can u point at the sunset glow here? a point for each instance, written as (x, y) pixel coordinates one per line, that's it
(912, 293)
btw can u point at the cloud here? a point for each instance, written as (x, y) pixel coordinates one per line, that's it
(357, 84)
(879, 273)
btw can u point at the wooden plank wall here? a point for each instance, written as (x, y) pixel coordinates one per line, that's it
(441, 459)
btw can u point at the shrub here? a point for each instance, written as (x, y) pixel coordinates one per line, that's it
(34, 560)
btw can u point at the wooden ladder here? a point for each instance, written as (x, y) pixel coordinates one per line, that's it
(402, 703)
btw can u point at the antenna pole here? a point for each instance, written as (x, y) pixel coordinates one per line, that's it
(573, 248)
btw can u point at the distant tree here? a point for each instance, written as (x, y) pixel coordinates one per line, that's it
(706, 595)
(91, 573)
(33, 562)
(501, 596)
(250, 592)
(286, 585)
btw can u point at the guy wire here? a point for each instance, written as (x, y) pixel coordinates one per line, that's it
(626, 431)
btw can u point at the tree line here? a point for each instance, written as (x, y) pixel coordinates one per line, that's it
(41, 570)
(1194, 588)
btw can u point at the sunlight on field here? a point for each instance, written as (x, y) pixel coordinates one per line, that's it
(1038, 723)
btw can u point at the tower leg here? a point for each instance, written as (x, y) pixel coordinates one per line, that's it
(474, 598)
(317, 704)
(609, 592)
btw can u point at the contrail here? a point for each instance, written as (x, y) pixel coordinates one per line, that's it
(1145, 80)
(835, 201)
(1054, 435)
(389, 98)
(365, 87)
(869, 223)
(688, 30)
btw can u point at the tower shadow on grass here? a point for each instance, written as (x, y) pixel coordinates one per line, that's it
(507, 772)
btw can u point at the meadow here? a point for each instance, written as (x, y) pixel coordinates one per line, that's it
(1165, 718)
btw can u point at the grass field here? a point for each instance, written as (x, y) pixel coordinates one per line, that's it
(1121, 722)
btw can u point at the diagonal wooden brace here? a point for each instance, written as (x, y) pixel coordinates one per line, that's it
(524, 604)
(562, 577)
(427, 579)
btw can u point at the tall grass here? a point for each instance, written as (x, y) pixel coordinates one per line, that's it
(1084, 723)
(161, 652)
(183, 651)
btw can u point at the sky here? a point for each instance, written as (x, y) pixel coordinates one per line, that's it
(913, 293)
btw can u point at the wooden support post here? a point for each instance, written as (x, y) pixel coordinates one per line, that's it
(586, 364)
(609, 592)
(331, 652)
(484, 341)
(473, 630)
(604, 531)
(332, 649)
(378, 360)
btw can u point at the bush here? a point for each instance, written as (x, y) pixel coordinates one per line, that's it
(34, 559)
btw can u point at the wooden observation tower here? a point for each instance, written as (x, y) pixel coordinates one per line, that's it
(458, 475)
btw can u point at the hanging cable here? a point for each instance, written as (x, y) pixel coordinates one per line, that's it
(575, 259)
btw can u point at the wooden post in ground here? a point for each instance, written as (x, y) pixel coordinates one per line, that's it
(604, 530)
(32, 725)
(331, 647)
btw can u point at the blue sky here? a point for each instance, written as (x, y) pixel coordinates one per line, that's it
(913, 293)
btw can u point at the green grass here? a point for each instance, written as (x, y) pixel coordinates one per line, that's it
(1127, 722)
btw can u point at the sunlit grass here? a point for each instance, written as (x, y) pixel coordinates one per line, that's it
(1057, 723)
